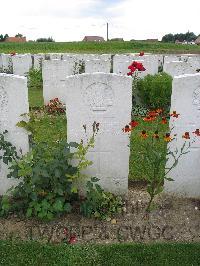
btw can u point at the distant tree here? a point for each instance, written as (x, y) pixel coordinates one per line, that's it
(19, 35)
(3, 37)
(49, 39)
(168, 38)
(188, 36)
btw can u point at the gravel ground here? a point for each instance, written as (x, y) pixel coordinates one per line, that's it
(173, 220)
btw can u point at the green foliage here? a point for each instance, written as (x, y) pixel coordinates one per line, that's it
(93, 47)
(49, 39)
(100, 204)
(3, 37)
(45, 189)
(139, 110)
(188, 36)
(35, 79)
(155, 91)
(47, 186)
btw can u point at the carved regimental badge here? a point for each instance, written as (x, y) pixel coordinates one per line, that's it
(99, 96)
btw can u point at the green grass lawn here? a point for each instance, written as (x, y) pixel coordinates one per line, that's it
(33, 253)
(92, 47)
(35, 97)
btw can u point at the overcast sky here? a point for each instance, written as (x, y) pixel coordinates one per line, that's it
(71, 20)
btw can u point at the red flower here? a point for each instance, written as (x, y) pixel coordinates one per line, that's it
(143, 134)
(133, 124)
(186, 135)
(174, 114)
(126, 129)
(159, 111)
(167, 137)
(135, 66)
(197, 132)
(65, 231)
(129, 73)
(164, 120)
(155, 135)
(13, 53)
(149, 118)
(152, 113)
(141, 53)
(72, 239)
(132, 68)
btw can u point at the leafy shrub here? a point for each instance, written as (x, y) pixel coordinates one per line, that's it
(98, 203)
(155, 90)
(35, 79)
(46, 188)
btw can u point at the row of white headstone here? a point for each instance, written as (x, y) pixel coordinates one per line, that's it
(100, 97)
(21, 64)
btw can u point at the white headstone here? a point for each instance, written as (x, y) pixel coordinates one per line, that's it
(121, 63)
(170, 58)
(37, 60)
(6, 63)
(13, 103)
(176, 68)
(53, 73)
(185, 101)
(22, 63)
(97, 65)
(106, 99)
(55, 56)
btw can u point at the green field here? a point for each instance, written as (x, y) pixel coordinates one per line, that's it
(92, 47)
(32, 253)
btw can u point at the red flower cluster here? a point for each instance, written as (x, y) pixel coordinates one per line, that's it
(135, 66)
(13, 53)
(55, 107)
(130, 127)
(72, 237)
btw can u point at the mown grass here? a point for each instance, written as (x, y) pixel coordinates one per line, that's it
(33, 253)
(103, 47)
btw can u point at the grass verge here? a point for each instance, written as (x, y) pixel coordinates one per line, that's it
(33, 253)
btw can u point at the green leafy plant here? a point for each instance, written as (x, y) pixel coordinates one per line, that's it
(35, 79)
(154, 91)
(98, 203)
(47, 178)
(139, 110)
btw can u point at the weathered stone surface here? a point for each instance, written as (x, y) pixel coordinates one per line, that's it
(21, 64)
(121, 63)
(185, 100)
(176, 68)
(55, 56)
(106, 99)
(13, 103)
(37, 60)
(97, 65)
(6, 63)
(53, 72)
